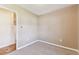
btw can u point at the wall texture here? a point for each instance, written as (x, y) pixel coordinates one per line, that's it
(60, 27)
(26, 25)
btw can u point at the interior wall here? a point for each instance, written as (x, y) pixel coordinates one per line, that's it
(78, 25)
(26, 25)
(60, 27)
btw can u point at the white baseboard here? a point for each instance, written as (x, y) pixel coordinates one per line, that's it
(60, 46)
(28, 44)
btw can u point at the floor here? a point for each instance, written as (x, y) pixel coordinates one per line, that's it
(7, 49)
(40, 48)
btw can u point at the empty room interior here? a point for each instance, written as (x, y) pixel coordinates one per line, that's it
(39, 29)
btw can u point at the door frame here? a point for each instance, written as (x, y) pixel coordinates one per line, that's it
(15, 21)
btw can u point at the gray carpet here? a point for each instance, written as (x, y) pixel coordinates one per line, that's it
(40, 48)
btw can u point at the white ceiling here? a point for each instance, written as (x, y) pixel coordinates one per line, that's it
(40, 9)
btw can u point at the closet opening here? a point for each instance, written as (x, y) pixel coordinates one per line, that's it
(7, 31)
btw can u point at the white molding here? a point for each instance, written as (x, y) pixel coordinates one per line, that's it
(60, 46)
(7, 8)
(28, 44)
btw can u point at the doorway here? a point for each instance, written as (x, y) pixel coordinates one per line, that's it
(7, 31)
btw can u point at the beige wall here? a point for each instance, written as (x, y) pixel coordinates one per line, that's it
(26, 20)
(60, 27)
(78, 27)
